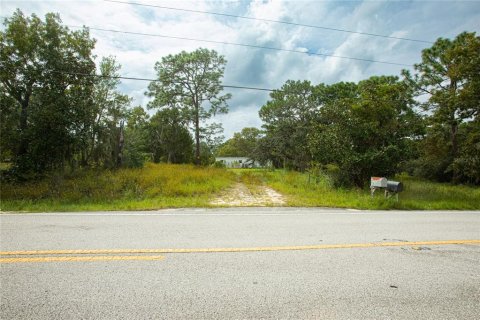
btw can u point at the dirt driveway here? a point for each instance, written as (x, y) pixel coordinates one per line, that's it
(241, 196)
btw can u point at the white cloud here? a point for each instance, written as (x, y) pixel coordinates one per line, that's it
(256, 67)
(236, 120)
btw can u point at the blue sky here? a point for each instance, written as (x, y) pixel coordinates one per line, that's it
(425, 20)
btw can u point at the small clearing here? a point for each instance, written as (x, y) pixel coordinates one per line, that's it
(240, 196)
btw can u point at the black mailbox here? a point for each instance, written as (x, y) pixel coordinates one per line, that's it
(394, 186)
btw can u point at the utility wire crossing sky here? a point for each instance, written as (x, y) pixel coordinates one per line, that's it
(264, 42)
(269, 20)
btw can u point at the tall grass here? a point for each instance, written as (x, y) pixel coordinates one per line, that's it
(154, 186)
(319, 192)
(170, 186)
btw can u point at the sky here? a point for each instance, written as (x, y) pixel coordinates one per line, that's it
(253, 67)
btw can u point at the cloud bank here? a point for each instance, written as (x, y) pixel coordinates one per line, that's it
(257, 67)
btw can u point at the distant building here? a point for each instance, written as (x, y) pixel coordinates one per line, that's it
(238, 162)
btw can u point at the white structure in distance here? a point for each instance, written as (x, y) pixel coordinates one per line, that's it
(238, 162)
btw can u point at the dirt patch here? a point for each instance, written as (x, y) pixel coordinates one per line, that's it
(240, 196)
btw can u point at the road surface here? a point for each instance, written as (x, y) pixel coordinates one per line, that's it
(242, 263)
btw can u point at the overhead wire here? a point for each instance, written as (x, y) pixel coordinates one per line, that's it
(239, 44)
(270, 21)
(243, 45)
(154, 80)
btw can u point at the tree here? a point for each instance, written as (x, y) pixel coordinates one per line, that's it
(288, 117)
(136, 138)
(110, 111)
(467, 163)
(169, 138)
(191, 83)
(450, 74)
(365, 129)
(38, 60)
(9, 119)
(242, 144)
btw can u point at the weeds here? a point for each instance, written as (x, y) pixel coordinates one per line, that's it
(152, 187)
(169, 186)
(418, 194)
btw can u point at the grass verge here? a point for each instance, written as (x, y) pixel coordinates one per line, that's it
(159, 186)
(153, 187)
(418, 194)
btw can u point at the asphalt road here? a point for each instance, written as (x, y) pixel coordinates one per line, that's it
(359, 265)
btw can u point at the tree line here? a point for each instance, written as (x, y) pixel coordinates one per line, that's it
(426, 123)
(59, 111)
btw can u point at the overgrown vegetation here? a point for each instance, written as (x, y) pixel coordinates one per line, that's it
(151, 187)
(157, 186)
(68, 135)
(304, 190)
(59, 112)
(379, 126)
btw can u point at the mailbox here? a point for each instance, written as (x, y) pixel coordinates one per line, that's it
(394, 186)
(378, 182)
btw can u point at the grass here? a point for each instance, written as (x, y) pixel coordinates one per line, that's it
(152, 187)
(418, 194)
(5, 165)
(159, 186)
(250, 178)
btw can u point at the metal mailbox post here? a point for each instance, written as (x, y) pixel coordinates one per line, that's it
(377, 183)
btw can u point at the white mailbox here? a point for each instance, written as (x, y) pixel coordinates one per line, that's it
(378, 182)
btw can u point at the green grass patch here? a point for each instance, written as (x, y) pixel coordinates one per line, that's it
(5, 166)
(159, 186)
(300, 191)
(152, 187)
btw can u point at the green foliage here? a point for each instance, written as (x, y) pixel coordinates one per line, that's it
(54, 120)
(372, 134)
(190, 82)
(136, 139)
(288, 119)
(243, 144)
(51, 107)
(466, 165)
(110, 111)
(207, 156)
(9, 119)
(419, 194)
(152, 187)
(169, 138)
(450, 74)
(363, 129)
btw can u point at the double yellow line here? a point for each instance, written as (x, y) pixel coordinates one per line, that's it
(79, 258)
(125, 254)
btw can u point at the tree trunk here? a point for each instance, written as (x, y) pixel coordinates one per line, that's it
(454, 130)
(197, 136)
(121, 141)
(23, 145)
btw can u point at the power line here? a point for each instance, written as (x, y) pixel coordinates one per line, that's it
(241, 45)
(155, 80)
(244, 45)
(272, 21)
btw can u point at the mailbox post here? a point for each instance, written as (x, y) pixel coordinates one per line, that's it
(393, 188)
(377, 183)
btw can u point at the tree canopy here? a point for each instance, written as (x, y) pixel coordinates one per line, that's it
(449, 74)
(48, 105)
(242, 144)
(190, 82)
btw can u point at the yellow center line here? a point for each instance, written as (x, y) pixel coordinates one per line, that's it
(76, 258)
(206, 250)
